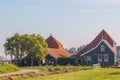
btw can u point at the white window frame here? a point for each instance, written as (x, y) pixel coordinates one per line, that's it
(99, 57)
(85, 58)
(102, 48)
(106, 57)
(88, 58)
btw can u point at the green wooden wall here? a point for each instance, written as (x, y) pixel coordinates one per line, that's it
(94, 56)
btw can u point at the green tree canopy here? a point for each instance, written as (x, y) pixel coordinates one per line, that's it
(31, 45)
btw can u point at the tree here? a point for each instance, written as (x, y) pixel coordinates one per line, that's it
(34, 46)
(72, 50)
(80, 48)
(30, 45)
(12, 46)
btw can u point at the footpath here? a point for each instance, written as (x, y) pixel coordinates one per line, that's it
(21, 71)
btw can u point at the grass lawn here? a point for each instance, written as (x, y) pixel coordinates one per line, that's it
(8, 68)
(92, 74)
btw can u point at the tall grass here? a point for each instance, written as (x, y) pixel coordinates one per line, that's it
(59, 68)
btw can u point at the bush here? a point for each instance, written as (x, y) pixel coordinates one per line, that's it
(66, 61)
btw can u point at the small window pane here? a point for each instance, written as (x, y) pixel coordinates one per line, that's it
(106, 57)
(87, 58)
(102, 47)
(99, 58)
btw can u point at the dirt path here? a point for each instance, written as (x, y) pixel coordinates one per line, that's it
(21, 71)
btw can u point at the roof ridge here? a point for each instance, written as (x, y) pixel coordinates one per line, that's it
(108, 35)
(58, 42)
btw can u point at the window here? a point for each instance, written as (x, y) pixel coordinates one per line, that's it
(99, 57)
(87, 58)
(102, 48)
(106, 57)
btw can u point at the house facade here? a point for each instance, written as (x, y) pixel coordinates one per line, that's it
(55, 50)
(118, 52)
(101, 50)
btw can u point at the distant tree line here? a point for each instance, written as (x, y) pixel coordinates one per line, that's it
(74, 50)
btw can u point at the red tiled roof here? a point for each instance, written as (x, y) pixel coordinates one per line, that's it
(102, 35)
(55, 48)
(58, 53)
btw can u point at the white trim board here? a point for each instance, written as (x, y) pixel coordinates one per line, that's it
(93, 48)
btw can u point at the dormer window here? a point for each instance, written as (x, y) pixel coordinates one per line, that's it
(102, 48)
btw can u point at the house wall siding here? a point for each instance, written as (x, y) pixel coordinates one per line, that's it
(94, 56)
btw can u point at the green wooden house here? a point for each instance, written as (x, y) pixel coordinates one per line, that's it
(55, 50)
(101, 50)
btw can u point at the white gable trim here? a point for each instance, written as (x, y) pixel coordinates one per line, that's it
(93, 48)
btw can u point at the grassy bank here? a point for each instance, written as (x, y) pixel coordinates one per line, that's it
(8, 68)
(59, 68)
(92, 74)
(45, 71)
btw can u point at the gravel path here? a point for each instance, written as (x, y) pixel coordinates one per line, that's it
(21, 71)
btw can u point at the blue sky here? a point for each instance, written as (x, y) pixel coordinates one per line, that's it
(73, 22)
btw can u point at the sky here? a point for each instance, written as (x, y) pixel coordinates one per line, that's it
(72, 22)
